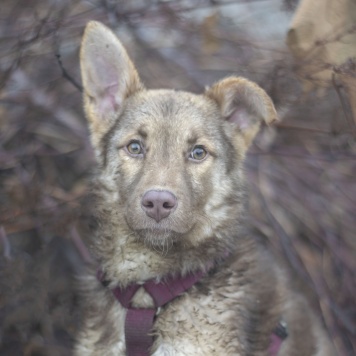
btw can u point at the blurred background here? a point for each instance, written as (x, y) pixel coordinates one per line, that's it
(301, 172)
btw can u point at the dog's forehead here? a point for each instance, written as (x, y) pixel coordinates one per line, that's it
(171, 111)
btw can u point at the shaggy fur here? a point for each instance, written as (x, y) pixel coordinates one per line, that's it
(232, 310)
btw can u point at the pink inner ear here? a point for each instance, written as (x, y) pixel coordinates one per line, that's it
(109, 100)
(105, 84)
(241, 118)
(105, 71)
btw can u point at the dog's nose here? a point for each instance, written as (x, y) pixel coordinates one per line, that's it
(158, 204)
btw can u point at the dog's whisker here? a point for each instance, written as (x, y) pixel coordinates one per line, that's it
(205, 218)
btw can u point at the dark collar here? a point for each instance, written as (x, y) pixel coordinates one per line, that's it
(139, 321)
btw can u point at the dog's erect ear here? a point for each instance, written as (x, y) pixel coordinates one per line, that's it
(108, 75)
(244, 104)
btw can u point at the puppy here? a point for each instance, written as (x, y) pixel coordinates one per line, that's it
(178, 275)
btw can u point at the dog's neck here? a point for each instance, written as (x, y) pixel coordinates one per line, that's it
(137, 268)
(127, 261)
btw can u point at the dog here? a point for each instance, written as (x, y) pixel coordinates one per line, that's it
(178, 274)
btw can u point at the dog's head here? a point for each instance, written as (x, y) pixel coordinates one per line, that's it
(170, 161)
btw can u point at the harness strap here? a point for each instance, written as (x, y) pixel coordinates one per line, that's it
(275, 345)
(138, 325)
(164, 292)
(279, 334)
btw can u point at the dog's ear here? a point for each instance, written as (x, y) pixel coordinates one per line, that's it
(244, 104)
(108, 75)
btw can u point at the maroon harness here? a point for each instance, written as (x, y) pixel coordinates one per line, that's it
(139, 321)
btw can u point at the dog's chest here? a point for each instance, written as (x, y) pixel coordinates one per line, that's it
(198, 324)
(192, 324)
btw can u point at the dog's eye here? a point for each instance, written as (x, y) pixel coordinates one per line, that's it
(198, 153)
(134, 148)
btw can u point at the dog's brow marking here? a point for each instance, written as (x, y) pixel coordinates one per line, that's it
(142, 133)
(192, 139)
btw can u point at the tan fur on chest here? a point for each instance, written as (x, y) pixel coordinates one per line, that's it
(168, 201)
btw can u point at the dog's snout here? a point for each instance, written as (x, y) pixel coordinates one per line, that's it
(158, 204)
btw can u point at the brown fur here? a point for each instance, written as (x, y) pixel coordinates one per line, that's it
(234, 309)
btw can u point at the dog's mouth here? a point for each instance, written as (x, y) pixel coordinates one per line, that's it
(159, 238)
(144, 225)
(159, 232)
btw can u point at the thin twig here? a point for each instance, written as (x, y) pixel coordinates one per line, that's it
(6, 244)
(345, 108)
(66, 75)
(79, 244)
